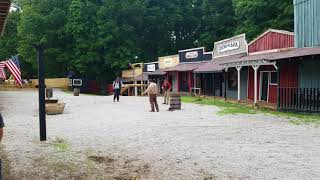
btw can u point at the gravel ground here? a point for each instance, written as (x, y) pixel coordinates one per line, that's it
(98, 139)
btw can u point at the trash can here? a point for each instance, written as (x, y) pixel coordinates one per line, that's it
(76, 91)
(49, 93)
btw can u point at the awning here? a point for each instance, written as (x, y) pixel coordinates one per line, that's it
(214, 65)
(143, 76)
(4, 11)
(158, 72)
(183, 67)
(270, 58)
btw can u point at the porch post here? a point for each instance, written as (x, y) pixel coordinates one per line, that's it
(214, 86)
(239, 81)
(178, 81)
(135, 89)
(225, 84)
(189, 81)
(278, 87)
(255, 67)
(194, 83)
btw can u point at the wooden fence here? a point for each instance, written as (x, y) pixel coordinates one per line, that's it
(299, 99)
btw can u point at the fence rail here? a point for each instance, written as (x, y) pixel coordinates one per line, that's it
(300, 99)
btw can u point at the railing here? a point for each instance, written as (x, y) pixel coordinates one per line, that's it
(299, 99)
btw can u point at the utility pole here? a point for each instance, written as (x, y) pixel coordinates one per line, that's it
(41, 87)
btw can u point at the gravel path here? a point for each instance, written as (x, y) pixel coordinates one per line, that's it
(96, 138)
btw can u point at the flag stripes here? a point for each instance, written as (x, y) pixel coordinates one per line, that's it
(13, 66)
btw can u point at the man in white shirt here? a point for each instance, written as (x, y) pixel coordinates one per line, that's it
(117, 84)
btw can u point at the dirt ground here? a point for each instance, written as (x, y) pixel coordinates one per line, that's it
(98, 139)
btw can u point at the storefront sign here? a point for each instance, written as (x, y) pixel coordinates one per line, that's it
(151, 67)
(168, 62)
(192, 55)
(229, 46)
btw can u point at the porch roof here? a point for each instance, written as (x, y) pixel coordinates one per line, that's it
(270, 57)
(183, 67)
(143, 76)
(158, 72)
(4, 11)
(214, 65)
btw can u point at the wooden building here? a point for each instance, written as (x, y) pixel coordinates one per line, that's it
(4, 11)
(160, 75)
(181, 76)
(214, 80)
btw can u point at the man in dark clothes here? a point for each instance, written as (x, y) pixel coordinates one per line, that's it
(1, 127)
(117, 84)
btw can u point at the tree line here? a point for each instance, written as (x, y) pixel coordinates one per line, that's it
(98, 38)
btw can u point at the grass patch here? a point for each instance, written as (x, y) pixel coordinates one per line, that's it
(297, 118)
(226, 107)
(236, 108)
(61, 145)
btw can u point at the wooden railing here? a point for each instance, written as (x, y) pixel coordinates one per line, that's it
(299, 99)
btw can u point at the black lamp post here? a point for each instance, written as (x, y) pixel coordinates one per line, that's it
(41, 87)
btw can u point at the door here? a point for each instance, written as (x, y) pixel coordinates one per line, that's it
(264, 86)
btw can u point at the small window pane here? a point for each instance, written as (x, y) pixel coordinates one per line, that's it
(274, 77)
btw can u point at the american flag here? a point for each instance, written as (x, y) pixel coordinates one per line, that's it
(13, 66)
(2, 73)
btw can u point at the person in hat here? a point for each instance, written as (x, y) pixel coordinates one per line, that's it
(117, 84)
(1, 127)
(152, 91)
(166, 87)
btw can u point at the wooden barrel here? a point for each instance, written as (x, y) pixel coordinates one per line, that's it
(49, 93)
(175, 101)
(56, 108)
(76, 91)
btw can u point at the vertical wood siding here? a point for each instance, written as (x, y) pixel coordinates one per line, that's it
(307, 23)
(272, 40)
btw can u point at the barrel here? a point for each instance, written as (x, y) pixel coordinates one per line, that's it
(175, 101)
(76, 91)
(49, 93)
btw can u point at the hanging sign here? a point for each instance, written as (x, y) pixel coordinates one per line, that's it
(192, 55)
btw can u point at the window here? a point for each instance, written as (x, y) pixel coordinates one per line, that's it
(274, 78)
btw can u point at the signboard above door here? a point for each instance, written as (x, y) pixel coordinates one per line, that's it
(151, 67)
(191, 55)
(231, 46)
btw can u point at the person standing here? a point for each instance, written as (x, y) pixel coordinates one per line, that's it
(166, 87)
(117, 84)
(1, 127)
(152, 91)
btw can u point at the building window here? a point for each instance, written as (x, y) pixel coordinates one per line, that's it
(273, 78)
(233, 80)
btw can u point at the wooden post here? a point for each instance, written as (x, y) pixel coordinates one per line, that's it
(194, 83)
(178, 81)
(278, 87)
(136, 88)
(255, 67)
(214, 86)
(189, 81)
(239, 81)
(225, 84)
(41, 88)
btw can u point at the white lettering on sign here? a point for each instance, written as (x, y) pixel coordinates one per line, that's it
(151, 67)
(229, 46)
(192, 55)
(168, 62)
